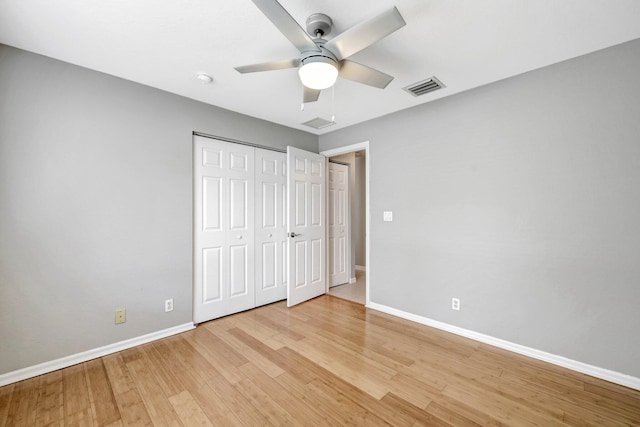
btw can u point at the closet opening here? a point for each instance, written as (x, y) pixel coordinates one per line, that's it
(259, 223)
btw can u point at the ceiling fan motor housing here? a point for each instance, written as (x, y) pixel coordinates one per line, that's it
(321, 55)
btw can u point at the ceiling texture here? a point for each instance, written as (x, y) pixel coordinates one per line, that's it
(166, 43)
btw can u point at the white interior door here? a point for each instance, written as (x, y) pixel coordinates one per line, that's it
(271, 226)
(307, 225)
(224, 229)
(339, 233)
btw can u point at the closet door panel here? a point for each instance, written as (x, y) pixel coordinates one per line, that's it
(212, 274)
(240, 231)
(224, 228)
(270, 226)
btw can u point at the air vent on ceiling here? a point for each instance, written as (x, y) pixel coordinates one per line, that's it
(319, 123)
(424, 86)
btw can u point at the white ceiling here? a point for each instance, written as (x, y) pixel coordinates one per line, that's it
(165, 43)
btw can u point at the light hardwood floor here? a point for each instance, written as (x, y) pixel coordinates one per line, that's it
(325, 362)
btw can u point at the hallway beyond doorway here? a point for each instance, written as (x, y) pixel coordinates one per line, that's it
(352, 291)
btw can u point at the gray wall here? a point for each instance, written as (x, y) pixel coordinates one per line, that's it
(96, 204)
(521, 198)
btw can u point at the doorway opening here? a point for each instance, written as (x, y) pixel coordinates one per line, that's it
(357, 157)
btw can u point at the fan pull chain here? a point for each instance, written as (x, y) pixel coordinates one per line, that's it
(302, 104)
(333, 103)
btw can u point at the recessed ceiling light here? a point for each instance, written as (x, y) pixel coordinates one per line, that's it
(204, 78)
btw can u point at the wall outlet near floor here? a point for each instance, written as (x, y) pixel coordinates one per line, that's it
(121, 316)
(168, 305)
(455, 304)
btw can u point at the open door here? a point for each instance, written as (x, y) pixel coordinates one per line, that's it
(307, 225)
(339, 232)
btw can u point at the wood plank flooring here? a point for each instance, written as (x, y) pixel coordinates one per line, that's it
(327, 362)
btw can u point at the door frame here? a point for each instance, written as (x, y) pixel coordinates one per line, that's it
(360, 146)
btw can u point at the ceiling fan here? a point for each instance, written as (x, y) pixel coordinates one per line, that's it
(322, 61)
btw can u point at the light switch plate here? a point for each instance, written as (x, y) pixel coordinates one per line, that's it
(387, 216)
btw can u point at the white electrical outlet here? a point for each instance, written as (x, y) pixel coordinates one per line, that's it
(455, 304)
(168, 305)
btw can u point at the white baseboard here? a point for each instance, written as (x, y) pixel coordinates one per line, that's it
(361, 268)
(594, 371)
(64, 362)
(353, 280)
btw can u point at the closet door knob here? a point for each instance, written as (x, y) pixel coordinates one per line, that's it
(240, 237)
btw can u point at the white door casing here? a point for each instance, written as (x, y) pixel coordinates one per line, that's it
(270, 226)
(364, 146)
(306, 203)
(224, 229)
(338, 224)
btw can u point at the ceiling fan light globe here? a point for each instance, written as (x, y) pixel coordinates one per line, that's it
(318, 75)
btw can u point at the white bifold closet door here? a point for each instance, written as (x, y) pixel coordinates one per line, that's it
(306, 208)
(243, 200)
(224, 235)
(270, 226)
(240, 238)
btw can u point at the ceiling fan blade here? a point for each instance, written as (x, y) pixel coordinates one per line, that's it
(363, 74)
(365, 34)
(310, 95)
(286, 24)
(269, 66)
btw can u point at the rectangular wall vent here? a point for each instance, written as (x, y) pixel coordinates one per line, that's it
(424, 86)
(319, 123)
